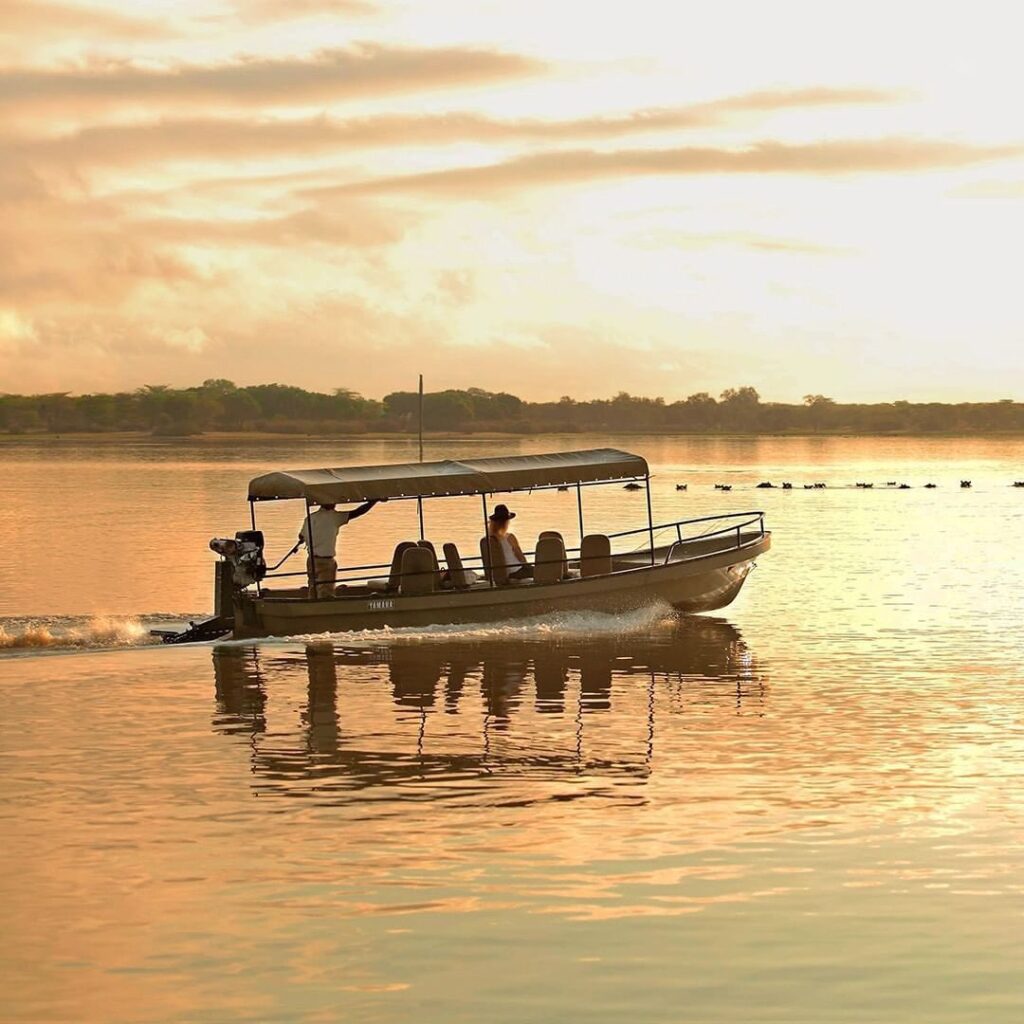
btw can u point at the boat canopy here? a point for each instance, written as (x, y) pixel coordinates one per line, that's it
(438, 479)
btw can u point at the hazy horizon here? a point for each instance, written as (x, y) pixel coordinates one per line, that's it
(410, 388)
(661, 199)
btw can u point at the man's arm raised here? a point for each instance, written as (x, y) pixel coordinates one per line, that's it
(363, 509)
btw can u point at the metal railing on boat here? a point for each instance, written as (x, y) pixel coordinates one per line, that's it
(754, 519)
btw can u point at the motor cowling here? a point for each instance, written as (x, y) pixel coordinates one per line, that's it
(245, 553)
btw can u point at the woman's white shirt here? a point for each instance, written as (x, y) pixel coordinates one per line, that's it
(512, 560)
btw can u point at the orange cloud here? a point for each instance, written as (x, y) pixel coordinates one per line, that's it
(61, 246)
(568, 166)
(286, 10)
(169, 210)
(24, 19)
(79, 251)
(110, 347)
(226, 138)
(815, 96)
(349, 227)
(367, 70)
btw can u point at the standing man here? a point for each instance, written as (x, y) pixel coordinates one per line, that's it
(321, 554)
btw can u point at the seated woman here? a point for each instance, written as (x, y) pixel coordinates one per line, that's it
(512, 555)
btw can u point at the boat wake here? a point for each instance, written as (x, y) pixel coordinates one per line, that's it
(70, 632)
(548, 628)
(56, 634)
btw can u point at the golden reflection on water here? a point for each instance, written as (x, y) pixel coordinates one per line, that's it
(549, 691)
(470, 828)
(805, 809)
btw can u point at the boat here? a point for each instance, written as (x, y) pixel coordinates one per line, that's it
(691, 565)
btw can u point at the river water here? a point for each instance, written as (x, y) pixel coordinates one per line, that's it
(805, 807)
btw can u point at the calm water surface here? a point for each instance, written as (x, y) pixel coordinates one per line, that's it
(808, 807)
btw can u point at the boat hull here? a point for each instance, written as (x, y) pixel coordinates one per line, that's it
(700, 582)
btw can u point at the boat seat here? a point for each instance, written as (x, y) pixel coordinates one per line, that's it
(544, 535)
(676, 550)
(429, 546)
(493, 561)
(419, 572)
(395, 573)
(595, 555)
(461, 577)
(549, 560)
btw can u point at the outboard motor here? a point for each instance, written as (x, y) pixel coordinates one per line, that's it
(245, 553)
(243, 564)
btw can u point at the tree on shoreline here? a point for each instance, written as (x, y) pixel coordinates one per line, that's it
(221, 405)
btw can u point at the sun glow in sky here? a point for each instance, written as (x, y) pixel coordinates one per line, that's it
(546, 198)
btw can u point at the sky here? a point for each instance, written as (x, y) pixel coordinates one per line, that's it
(547, 198)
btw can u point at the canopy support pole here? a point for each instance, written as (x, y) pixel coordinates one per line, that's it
(311, 572)
(579, 512)
(252, 520)
(650, 517)
(488, 568)
(419, 510)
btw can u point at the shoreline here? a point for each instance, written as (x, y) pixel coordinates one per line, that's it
(218, 436)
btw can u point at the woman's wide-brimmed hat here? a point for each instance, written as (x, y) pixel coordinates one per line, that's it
(501, 514)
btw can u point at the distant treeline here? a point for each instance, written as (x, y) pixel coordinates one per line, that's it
(218, 405)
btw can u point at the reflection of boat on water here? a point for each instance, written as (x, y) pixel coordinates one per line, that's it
(446, 712)
(693, 565)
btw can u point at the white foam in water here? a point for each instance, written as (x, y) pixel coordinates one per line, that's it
(73, 633)
(106, 632)
(565, 625)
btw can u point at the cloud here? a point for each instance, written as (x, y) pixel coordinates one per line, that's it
(312, 343)
(788, 246)
(815, 96)
(78, 249)
(86, 282)
(189, 339)
(223, 138)
(106, 350)
(71, 263)
(349, 226)
(18, 182)
(288, 10)
(25, 19)
(662, 239)
(991, 190)
(16, 331)
(366, 70)
(572, 166)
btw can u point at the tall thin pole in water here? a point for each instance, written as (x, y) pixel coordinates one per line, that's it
(419, 501)
(421, 417)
